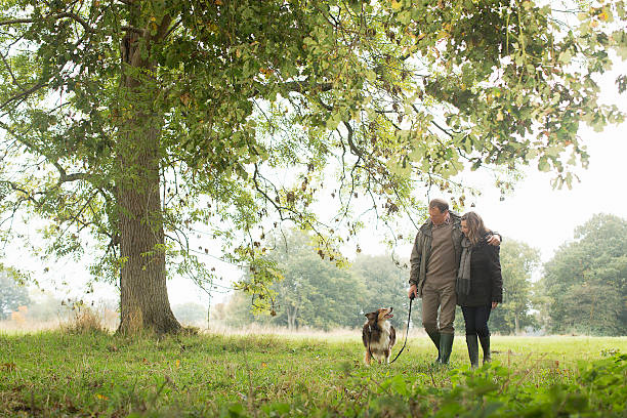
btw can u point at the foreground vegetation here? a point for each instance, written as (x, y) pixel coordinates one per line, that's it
(60, 374)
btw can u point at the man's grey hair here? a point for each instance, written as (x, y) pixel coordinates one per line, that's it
(441, 204)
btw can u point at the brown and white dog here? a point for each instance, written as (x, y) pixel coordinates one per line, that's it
(378, 335)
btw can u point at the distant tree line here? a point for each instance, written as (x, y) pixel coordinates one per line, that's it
(581, 290)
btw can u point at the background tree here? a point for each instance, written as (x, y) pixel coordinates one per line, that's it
(518, 263)
(586, 279)
(136, 121)
(236, 311)
(12, 295)
(386, 284)
(313, 292)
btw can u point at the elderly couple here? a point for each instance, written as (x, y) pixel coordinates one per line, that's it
(455, 260)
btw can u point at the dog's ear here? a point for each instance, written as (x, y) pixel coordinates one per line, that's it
(371, 315)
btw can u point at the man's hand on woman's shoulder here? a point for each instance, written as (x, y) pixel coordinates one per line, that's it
(495, 240)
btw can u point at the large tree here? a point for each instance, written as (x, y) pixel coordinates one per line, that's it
(134, 121)
(586, 280)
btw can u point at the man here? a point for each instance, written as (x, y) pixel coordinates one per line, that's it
(434, 262)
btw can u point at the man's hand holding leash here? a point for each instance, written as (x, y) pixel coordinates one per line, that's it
(413, 292)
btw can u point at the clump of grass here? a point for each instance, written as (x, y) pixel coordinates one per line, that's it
(84, 322)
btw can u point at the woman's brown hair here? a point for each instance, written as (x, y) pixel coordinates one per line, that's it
(476, 228)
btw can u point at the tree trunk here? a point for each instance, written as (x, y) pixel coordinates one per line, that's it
(144, 302)
(144, 297)
(291, 317)
(516, 324)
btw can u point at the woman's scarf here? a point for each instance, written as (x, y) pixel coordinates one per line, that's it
(462, 284)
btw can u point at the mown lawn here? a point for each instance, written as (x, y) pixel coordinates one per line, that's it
(57, 374)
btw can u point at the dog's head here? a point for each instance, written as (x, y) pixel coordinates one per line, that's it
(380, 315)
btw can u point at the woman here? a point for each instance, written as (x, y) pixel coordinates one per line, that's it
(479, 284)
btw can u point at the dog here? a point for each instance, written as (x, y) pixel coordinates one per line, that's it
(378, 335)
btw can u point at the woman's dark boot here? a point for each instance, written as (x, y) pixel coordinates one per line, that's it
(446, 346)
(473, 350)
(485, 345)
(435, 337)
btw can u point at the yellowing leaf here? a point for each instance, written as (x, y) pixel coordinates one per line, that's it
(396, 5)
(178, 363)
(99, 396)
(604, 16)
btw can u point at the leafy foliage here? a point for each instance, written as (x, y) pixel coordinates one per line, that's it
(385, 281)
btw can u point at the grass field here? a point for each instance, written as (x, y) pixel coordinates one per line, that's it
(59, 374)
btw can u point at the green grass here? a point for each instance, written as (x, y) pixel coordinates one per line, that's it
(56, 374)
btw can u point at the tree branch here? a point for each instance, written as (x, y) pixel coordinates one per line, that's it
(8, 67)
(351, 144)
(71, 15)
(22, 94)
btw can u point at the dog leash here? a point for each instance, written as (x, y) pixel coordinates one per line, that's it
(411, 300)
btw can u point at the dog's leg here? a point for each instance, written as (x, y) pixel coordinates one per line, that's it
(367, 358)
(387, 356)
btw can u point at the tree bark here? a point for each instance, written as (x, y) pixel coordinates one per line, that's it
(144, 302)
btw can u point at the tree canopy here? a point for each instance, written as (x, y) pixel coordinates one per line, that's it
(134, 122)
